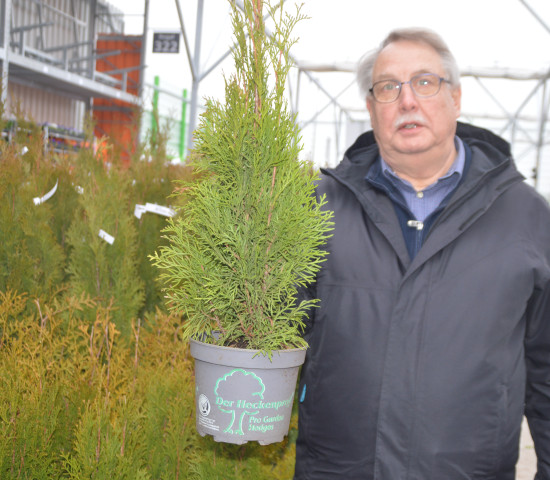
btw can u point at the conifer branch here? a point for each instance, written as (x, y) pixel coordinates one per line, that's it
(252, 231)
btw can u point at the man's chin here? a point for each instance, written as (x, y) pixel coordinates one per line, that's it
(412, 147)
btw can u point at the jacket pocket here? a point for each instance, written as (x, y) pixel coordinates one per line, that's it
(488, 458)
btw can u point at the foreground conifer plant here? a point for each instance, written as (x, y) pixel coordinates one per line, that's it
(252, 231)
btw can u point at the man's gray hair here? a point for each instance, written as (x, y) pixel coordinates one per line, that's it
(365, 66)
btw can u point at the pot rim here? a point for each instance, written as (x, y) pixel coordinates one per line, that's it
(248, 358)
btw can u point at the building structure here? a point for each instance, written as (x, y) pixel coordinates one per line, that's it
(61, 60)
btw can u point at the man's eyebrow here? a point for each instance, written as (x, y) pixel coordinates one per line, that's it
(385, 76)
(389, 76)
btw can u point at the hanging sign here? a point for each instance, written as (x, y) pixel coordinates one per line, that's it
(166, 42)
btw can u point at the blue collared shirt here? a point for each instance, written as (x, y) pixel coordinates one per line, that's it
(417, 213)
(424, 202)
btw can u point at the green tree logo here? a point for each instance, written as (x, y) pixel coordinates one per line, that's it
(237, 393)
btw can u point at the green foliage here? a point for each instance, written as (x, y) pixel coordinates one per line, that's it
(152, 182)
(77, 401)
(252, 230)
(33, 391)
(106, 271)
(53, 246)
(31, 260)
(95, 380)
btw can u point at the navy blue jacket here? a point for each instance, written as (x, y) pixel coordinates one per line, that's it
(422, 369)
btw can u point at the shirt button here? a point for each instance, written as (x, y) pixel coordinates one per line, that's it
(419, 194)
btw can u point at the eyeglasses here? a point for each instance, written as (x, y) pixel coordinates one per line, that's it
(423, 85)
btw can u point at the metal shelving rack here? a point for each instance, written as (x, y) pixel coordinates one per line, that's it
(50, 45)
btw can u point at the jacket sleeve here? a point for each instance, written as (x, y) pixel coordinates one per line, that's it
(537, 355)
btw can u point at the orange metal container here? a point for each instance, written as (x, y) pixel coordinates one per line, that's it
(114, 118)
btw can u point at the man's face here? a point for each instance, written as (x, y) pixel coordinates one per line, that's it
(413, 128)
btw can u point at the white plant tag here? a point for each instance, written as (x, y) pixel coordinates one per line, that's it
(139, 210)
(105, 236)
(160, 210)
(39, 200)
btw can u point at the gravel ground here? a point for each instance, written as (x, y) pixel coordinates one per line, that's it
(527, 464)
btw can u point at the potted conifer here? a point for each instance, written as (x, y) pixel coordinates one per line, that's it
(250, 235)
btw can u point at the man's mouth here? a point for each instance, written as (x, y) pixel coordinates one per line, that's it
(409, 123)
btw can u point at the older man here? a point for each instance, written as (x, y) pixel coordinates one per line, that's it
(432, 338)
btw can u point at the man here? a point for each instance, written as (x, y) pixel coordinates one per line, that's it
(432, 338)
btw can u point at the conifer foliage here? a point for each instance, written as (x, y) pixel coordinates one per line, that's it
(31, 259)
(90, 386)
(77, 401)
(252, 230)
(95, 380)
(106, 267)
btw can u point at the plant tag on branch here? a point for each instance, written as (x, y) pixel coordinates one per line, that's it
(160, 210)
(39, 200)
(105, 236)
(139, 210)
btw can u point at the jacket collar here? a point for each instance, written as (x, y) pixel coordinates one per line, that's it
(491, 166)
(493, 159)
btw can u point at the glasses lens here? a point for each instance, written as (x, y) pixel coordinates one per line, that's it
(386, 90)
(426, 84)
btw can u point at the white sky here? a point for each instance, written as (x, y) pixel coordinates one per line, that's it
(481, 33)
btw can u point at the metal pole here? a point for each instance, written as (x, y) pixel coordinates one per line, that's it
(143, 50)
(186, 42)
(183, 124)
(534, 13)
(92, 37)
(142, 64)
(6, 12)
(196, 78)
(540, 142)
(155, 118)
(298, 84)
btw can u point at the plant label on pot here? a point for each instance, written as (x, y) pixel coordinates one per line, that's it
(242, 398)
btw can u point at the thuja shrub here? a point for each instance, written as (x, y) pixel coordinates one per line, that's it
(51, 242)
(38, 400)
(78, 401)
(31, 258)
(103, 241)
(152, 183)
(94, 384)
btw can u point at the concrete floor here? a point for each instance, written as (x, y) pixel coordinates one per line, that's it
(527, 464)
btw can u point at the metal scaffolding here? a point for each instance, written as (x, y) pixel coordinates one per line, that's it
(31, 54)
(528, 134)
(50, 45)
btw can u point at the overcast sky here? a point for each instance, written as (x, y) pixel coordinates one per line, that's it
(481, 33)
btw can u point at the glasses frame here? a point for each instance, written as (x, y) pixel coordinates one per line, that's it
(410, 82)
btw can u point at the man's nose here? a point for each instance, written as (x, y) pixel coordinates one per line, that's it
(407, 98)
